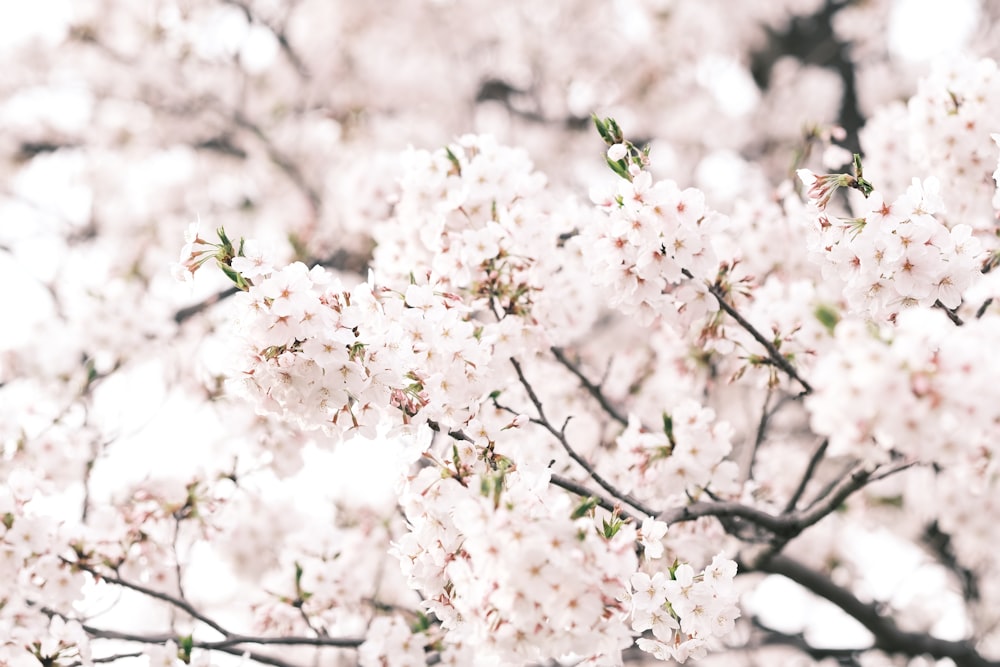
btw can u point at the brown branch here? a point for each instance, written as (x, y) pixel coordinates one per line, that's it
(286, 47)
(584, 492)
(952, 315)
(234, 645)
(283, 162)
(844, 656)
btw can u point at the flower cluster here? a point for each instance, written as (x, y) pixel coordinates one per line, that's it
(655, 250)
(680, 461)
(898, 253)
(951, 118)
(684, 609)
(941, 408)
(347, 359)
(31, 571)
(508, 567)
(475, 219)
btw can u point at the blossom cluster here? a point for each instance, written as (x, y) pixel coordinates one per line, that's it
(941, 408)
(947, 126)
(656, 248)
(897, 253)
(509, 566)
(476, 220)
(505, 566)
(347, 359)
(684, 609)
(678, 462)
(32, 571)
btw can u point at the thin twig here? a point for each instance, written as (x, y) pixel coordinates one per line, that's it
(560, 435)
(952, 315)
(810, 471)
(183, 605)
(593, 389)
(773, 353)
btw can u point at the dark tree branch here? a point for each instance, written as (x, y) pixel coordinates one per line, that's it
(174, 601)
(939, 543)
(783, 527)
(888, 636)
(286, 47)
(584, 492)
(810, 471)
(234, 645)
(847, 657)
(593, 389)
(188, 312)
(560, 435)
(774, 355)
(952, 315)
(283, 162)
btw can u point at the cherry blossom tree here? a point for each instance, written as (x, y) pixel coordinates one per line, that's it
(468, 333)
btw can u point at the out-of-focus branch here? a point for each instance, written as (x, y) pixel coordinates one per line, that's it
(512, 99)
(939, 544)
(810, 471)
(174, 601)
(847, 657)
(888, 636)
(279, 34)
(593, 389)
(283, 162)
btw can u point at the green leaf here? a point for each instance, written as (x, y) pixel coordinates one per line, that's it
(454, 160)
(584, 508)
(421, 624)
(184, 648)
(619, 167)
(602, 129)
(827, 316)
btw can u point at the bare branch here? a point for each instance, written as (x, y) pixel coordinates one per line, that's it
(773, 353)
(235, 645)
(787, 525)
(584, 492)
(561, 437)
(888, 637)
(772, 637)
(593, 389)
(952, 315)
(810, 471)
(283, 162)
(286, 47)
(139, 588)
